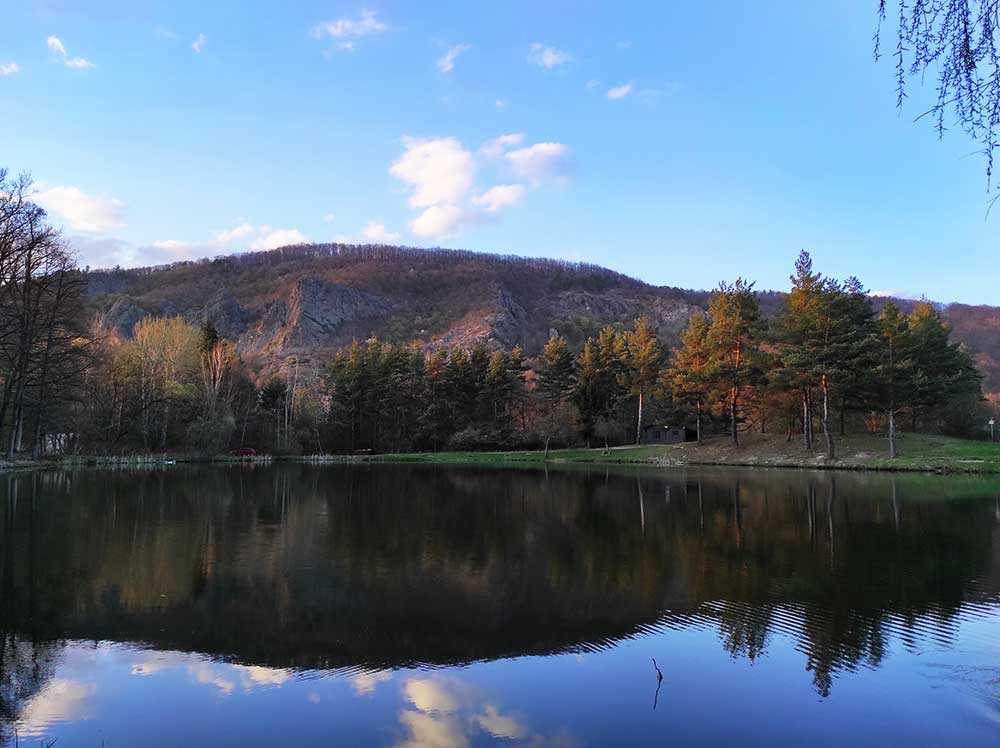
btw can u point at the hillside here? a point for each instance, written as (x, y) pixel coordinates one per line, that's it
(303, 301)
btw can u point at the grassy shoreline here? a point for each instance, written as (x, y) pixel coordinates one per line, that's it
(919, 453)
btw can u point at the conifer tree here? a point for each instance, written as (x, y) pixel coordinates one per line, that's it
(556, 371)
(689, 375)
(588, 397)
(734, 338)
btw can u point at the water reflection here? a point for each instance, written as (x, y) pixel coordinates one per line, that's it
(244, 581)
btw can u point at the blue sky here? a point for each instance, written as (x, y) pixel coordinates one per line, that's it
(682, 143)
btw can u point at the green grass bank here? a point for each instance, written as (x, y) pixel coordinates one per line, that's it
(917, 453)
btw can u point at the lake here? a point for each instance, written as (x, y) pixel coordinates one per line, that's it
(455, 607)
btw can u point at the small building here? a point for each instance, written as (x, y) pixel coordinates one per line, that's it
(658, 434)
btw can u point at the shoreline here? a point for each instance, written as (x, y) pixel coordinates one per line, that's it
(919, 453)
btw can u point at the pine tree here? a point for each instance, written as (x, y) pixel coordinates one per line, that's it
(734, 338)
(942, 371)
(895, 366)
(642, 358)
(556, 371)
(689, 374)
(588, 397)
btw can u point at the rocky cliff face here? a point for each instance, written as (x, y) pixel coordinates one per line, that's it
(312, 315)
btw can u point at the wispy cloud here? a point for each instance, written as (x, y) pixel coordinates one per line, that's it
(495, 148)
(82, 212)
(244, 235)
(279, 238)
(376, 232)
(446, 62)
(55, 45)
(539, 161)
(162, 32)
(346, 30)
(9, 68)
(198, 43)
(502, 196)
(620, 92)
(547, 57)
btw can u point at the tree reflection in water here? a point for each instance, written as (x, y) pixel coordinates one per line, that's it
(387, 567)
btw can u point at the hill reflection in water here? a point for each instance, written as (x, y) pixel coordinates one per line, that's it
(248, 580)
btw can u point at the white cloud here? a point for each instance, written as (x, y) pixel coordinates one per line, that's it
(444, 714)
(446, 63)
(593, 83)
(365, 683)
(539, 161)
(238, 232)
(59, 700)
(440, 173)
(431, 695)
(108, 251)
(279, 238)
(437, 221)
(329, 218)
(56, 46)
(198, 43)
(264, 237)
(255, 675)
(432, 731)
(502, 196)
(500, 725)
(9, 68)
(897, 294)
(347, 29)
(496, 147)
(172, 245)
(207, 674)
(620, 92)
(81, 211)
(439, 170)
(547, 57)
(376, 233)
(500, 104)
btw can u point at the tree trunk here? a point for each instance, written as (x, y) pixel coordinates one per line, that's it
(806, 442)
(733, 399)
(698, 421)
(638, 426)
(892, 433)
(809, 419)
(830, 452)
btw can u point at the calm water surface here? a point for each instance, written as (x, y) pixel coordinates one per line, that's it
(450, 608)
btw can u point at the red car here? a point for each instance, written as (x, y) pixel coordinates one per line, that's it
(244, 452)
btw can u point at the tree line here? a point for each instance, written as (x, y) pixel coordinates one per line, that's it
(70, 381)
(827, 359)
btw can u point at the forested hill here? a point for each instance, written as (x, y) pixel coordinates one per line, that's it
(304, 300)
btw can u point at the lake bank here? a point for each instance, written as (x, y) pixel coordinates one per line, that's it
(919, 453)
